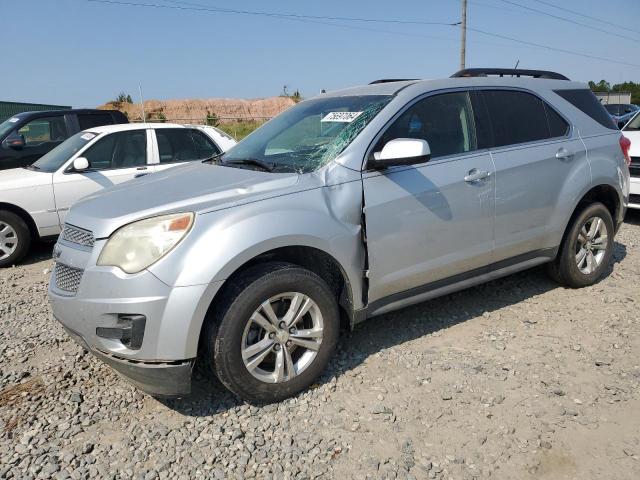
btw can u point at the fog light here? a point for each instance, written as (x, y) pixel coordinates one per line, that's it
(130, 331)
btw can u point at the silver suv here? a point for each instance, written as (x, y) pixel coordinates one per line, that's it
(346, 206)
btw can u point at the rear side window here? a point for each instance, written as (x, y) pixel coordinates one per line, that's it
(90, 120)
(176, 145)
(558, 127)
(516, 117)
(205, 146)
(584, 100)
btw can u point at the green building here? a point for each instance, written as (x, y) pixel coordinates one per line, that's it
(8, 109)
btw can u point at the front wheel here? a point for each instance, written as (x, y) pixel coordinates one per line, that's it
(15, 238)
(587, 248)
(274, 333)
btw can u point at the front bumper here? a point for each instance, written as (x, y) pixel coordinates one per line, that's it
(634, 193)
(157, 379)
(161, 358)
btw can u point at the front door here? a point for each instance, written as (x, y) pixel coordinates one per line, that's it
(113, 159)
(431, 221)
(41, 135)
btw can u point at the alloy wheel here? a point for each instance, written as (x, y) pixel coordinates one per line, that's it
(591, 245)
(282, 337)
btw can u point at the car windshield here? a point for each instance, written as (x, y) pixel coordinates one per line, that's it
(53, 160)
(620, 108)
(307, 136)
(633, 125)
(7, 126)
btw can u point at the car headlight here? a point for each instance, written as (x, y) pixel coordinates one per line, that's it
(138, 245)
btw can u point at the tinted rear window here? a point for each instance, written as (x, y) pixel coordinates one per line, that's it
(516, 117)
(586, 101)
(90, 120)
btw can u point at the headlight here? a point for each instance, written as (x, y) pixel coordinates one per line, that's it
(136, 246)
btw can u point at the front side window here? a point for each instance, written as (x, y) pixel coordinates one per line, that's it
(118, 150)
(44, 130)
(176, 145)
(445, 121)
(308, 135)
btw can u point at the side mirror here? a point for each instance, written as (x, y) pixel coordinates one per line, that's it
(80, 164)
(15, 141)
(401, 151)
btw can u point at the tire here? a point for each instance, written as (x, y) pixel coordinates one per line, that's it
(15, 238)
(576, 272)
(235, 344)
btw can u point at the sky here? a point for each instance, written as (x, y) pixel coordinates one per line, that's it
(83, 53)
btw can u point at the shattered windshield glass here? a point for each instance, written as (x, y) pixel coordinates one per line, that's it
(307, 136)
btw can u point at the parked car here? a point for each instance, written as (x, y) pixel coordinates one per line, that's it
(621, 113)
(26, 137)
(632, 132)
(34, 200)
(343, 207)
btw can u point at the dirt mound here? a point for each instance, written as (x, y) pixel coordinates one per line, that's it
(196, 110)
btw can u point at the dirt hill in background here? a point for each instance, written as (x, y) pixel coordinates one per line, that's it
(196, 110)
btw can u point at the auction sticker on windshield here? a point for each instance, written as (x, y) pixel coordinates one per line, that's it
(87, 136)
(345, 117)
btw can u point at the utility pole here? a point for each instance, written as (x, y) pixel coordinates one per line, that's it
(463, 44)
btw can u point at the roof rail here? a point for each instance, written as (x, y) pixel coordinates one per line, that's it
(511, 72)
(389, 80)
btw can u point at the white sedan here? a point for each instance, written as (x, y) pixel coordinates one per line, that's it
(34, 200)
(632, 131)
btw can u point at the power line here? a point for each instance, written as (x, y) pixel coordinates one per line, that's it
(568, 20)
(274, 14)
(548, 47)
(549, 4)
(317, 19)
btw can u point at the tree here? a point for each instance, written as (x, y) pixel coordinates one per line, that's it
(123, 98)
(604, 86)
(211, 119)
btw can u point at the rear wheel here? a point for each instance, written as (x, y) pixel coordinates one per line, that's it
(587, 248)
(275, 333)
(15, 238)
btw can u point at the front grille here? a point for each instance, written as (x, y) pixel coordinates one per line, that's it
(67, 278)
(634, 168)
(78, 235)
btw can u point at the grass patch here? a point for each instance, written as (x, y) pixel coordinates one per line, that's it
(240, 128)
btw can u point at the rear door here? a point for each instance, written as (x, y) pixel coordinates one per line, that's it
(176, 146)
(113, 159)
(535, 153)
(430, 221)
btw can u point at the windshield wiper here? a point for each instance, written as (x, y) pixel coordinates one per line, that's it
(267, 167)
(213, 159)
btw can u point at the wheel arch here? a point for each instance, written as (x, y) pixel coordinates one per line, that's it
(314, 259)
(28, 219)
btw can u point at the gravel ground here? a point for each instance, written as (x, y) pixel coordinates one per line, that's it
(517, 378)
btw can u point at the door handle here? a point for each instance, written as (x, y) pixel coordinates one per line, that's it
(564, 154)
(141, 168)
(476, 175)
(138, 175)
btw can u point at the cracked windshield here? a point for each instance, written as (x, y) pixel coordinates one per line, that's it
(307, 136)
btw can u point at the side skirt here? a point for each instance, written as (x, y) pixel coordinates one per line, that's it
(456, 283)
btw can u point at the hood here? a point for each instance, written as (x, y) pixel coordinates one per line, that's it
(21, 178)
(197, 187)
